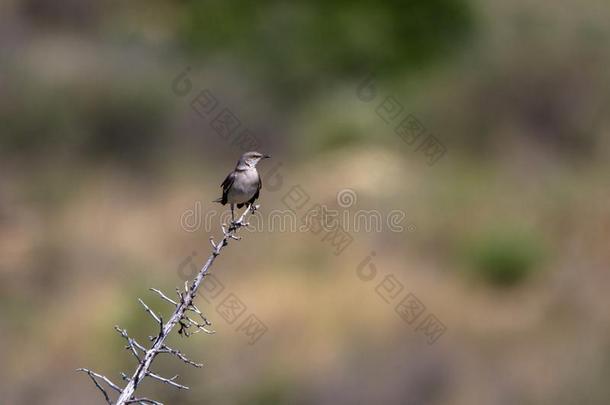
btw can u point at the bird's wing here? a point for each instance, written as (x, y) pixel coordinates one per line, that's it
(258, 189)
(226, 185)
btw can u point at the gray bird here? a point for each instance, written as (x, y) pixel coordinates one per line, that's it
(243, 184)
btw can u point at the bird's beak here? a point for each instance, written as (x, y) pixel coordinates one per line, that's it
(266, 156)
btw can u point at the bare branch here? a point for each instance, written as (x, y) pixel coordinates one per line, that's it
(177, 353)
(94, 377)
(169, 381)
(177, 318)
(196, 310)
(165, 297)
(143, 401)
(199, 326)
(147, 309)
(131, 343)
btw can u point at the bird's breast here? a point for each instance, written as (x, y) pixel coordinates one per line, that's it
(244, 186)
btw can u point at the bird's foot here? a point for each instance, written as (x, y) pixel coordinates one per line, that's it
(233, 225)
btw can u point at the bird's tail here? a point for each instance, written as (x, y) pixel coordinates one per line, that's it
(219, 200)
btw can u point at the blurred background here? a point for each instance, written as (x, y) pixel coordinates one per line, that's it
(119, 120)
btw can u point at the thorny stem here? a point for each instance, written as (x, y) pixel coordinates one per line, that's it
(178, 317)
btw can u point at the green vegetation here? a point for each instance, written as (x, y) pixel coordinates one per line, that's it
(310, 42)
(504, 257)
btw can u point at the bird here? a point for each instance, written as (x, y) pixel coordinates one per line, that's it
(242, 186)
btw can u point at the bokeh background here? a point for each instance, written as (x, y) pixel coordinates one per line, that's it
(505, 239)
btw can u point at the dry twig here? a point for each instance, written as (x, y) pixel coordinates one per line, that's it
(180, 317)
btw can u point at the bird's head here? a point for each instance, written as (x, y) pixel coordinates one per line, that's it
(250, 159)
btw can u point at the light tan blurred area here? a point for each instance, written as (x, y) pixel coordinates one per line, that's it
(461, 145)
